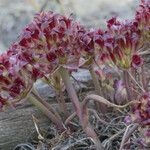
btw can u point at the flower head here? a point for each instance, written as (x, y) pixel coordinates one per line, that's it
(141, 111)
(136, 61)
(142, 19)
(49, 41)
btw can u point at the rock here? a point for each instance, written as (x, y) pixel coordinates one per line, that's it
(82, 75)
(44, 90)
(81, 80)
(16, 126)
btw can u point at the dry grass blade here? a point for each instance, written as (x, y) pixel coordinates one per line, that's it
(92, 111)
(24, 147)
(78, 142)
(127, 134)
(108, 141)
(40, 137)
(70, 118)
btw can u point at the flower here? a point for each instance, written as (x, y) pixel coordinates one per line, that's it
(142, 19)
(128, 119)
(141, 111)
(120, 41)
(136, 61)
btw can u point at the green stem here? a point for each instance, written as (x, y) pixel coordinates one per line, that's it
(95, 81)
(59, 94)
(99, 107)
(47, 112)
(46, 104)
(62, 103)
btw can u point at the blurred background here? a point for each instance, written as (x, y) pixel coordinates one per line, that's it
(15, 14)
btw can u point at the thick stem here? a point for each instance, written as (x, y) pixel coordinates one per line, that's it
(70, 89)
(95, 81)
(62, 103)
(127, 84)
(80, 113)
(47, 112)
(135, 94)
(143, 77)
(99, 107)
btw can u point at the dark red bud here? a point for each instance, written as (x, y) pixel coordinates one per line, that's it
(51, 56)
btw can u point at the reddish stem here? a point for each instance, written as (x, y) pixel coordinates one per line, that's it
(77, 106)
(127, 84)
(62, 103)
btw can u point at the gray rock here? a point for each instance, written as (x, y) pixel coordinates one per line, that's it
(80, 79)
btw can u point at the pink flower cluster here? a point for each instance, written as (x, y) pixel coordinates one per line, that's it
(141, 112)
(52, 40)
(123, 39)
(49, 41)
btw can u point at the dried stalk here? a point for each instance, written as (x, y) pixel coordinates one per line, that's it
(127, 134)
